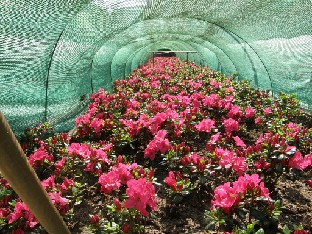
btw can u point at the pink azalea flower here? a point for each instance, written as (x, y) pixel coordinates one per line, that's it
(205, 125)
(260, 139)
(159, 143)
(254, 181)
(99, 155)
(61, 203)
(39, 156)
(298, 162)
(59, 166)
(196, 104)
(239, 142)
(94, 219)
(228, 197)
(109, 182)
(308, 159)
(215, 138)
(215, 84)
(141, 196)
(250, 112)
(221, 153)
(161, 134)
(163, 145)
(186, 160)
(22, 211)
(231, 125)
(261, 164)
(267, 111)
(123, 172)
(226, 160)
(230, 89)
(294, 127)
(225, 197)
(97, 125)
(171, 181)
(239, 165)
(4, 212)
(48, 183)
(199, 162)
(150, 150)
(226, 103)
(211, 100)
(78, 149)
(157, 121)
(235, 112)
(67, 184)
(56, 198)
(300, 231)
(134, 127)
(258, 120)
(90, 167)
(120, 174)
(19, 210)
(117, 204)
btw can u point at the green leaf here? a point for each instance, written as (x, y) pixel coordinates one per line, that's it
(185, 192)
(279, 168)
(281, 157)
(4, 193)
(250, 227)
(260, 231)
(286, 230)
(78, 202)
(241, 213)
(211, 225)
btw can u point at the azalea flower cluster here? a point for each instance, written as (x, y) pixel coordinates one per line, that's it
(159, 143)
(207, 132)
(16, 214)
(139, 188)
(96, 158)
(229, 197)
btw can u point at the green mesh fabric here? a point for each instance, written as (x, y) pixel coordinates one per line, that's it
(54, 53)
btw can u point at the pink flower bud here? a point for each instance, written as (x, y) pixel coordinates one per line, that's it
(94, 219)
(117, 204)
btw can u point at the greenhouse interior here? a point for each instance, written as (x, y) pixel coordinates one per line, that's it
(186, 99)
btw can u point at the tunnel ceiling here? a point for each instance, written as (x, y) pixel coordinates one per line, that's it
(54, 53)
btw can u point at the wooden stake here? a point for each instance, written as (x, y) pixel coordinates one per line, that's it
(17, 171)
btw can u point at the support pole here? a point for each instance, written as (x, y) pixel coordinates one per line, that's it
(153, 59)
(91, 81)
(17, 171)
(48, 75)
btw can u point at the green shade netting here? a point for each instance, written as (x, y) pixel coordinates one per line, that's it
(54, 53)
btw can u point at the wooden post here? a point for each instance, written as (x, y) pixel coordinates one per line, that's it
(17, 171)
(153, 59)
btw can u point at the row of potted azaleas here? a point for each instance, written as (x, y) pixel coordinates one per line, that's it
(206, 131)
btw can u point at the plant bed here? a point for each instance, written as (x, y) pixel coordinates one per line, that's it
(177, 148)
